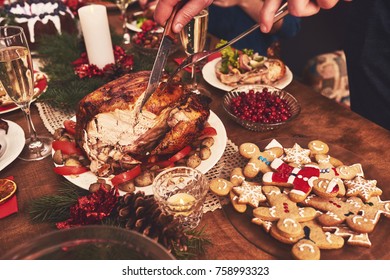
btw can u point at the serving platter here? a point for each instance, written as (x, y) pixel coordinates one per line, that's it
(86, 179)
(209, 75)
(263, 240)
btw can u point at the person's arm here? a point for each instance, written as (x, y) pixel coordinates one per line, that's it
(253, 8)
(299, 8)
(190, 9)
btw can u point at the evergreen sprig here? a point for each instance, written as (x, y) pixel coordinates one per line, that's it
(55, 208)
(197, 243)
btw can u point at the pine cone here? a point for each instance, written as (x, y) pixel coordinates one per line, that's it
(141, 213)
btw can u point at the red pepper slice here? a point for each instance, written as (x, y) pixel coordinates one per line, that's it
(208, 131)
(70, 170)
(66, 147)
(180, 154)
(126, 176)
(70, 126)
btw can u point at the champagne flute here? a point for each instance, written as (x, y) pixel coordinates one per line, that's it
(17, 78)
(123, 5)
(193, 39)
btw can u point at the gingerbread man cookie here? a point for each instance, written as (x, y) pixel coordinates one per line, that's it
(284, 211)
(239, 207)
(300, 179)
(258, 161)
(353, 238)
(317, 147)
(335, 210)
(308, 248)
(368, 216)
(222, 187)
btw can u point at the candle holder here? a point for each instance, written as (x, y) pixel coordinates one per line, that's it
(181, 192)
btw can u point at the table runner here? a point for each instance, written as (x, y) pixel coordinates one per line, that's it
(54, 117)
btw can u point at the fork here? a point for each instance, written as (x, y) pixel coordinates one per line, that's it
(199, 56)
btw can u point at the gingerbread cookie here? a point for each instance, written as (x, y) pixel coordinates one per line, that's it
(266, 225)
(305, 249)
(334, 176)
(250, 193)
(220, 187)
(297, 155)
(239, 207)
(362, 188)
(368, 215)
(237, 176)
(335, 210)
(317, 147)
(300, 179)
(284, 211)
(258, 161)
(353, 238)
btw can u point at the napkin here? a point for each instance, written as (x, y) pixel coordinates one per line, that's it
(10, 206)
(7, 107)
(188, 69)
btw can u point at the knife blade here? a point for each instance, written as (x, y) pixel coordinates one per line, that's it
(167, 41)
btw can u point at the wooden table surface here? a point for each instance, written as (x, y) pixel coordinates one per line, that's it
(320, 118)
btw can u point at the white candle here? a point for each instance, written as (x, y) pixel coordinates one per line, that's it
(96, 33)
(181, 203)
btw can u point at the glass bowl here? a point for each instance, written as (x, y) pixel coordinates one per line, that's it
(92, 242)
(294, 107)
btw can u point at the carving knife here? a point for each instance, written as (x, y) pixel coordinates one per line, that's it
(166, 44)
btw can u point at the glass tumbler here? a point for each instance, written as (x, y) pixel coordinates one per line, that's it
(181, 192)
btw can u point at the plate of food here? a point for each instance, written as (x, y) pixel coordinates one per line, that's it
(210, 74)
(136, 25)
(342, 215)
(11, 142)
(85, 179)
(7, 105)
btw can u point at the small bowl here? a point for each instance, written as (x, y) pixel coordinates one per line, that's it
(293, 104)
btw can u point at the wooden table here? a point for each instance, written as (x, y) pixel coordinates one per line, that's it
(320, 118)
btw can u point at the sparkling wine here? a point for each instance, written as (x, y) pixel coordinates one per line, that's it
(16, 74)
(123, 4)
(193, 35)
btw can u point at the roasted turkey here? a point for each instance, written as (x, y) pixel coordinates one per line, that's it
(114, 135)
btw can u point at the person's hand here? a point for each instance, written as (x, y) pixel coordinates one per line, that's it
(298, 8)
(227, 3)
(190, 9)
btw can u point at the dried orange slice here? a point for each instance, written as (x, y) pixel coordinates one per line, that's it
(7, 189)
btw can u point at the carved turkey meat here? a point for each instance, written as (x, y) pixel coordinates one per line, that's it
(114, 135)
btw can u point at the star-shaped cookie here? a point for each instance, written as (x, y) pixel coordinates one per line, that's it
(363, 188)
(250, 193)
(297, 155)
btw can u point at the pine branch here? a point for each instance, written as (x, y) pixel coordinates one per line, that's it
(197, 243)
(55, 208)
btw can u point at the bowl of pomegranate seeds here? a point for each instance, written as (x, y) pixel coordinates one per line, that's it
(260, 107)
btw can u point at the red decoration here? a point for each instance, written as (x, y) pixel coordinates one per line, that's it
(123, 64)
(73, 5)
(91, 209)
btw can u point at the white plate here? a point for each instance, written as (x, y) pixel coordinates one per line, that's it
(86, 179)
(133, 27)
(210, 77)
(14, 143)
